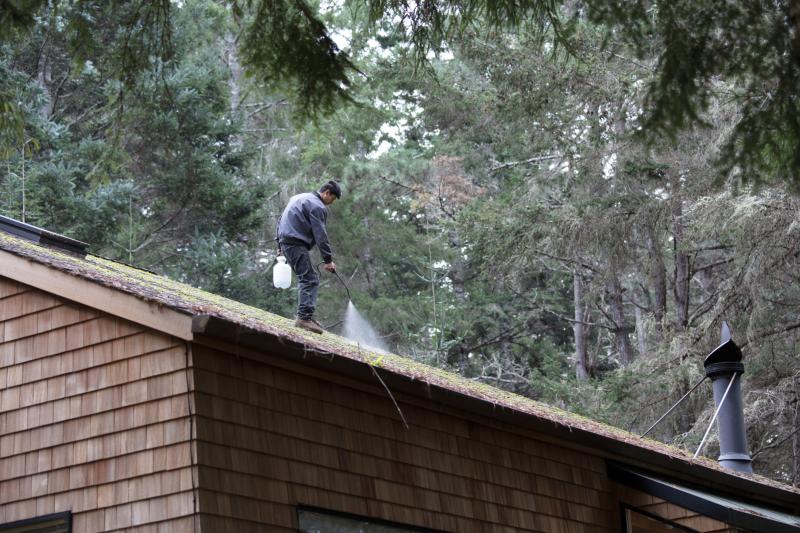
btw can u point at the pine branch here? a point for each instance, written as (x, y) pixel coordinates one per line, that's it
(568, 261)
(540, 307)
(509, 333)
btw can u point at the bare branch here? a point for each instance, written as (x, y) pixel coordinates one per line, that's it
(413, 189)
(632, 62)
(775, 445)
(712, 265)
(772, 332)
(536, 159)
(266, 106)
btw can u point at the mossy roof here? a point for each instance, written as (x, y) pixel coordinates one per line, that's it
(195, 302)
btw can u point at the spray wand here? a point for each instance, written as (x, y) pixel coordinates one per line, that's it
(346, 288)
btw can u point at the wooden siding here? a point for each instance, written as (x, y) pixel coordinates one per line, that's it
(94, 417)
(670, 511)
(272, 436)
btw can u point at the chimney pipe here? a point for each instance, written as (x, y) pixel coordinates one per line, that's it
(723, 365)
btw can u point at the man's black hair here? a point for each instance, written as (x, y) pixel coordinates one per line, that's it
(333, 187)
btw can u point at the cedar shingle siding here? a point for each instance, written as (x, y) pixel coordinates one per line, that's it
(272, 437)
(672, 512)
(93, 417)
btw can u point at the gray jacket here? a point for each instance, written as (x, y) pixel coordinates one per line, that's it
(303, 222)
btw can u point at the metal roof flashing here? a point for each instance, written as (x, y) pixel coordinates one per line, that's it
(733, 510)
(42, 236)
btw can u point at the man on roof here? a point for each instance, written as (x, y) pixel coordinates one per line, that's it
(300, 228)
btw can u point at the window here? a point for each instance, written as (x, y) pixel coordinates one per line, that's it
(312, 520)
(54, 523)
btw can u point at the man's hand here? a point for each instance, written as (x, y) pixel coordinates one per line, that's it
(330, 267)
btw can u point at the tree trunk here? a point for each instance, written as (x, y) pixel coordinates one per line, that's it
(457, 269)
(794, 19)
(658, 279)
(369, 268)
(682, 272)
(580, 329)
(640, 333)
(620, 326)
(44, 79)
(796, 438)
(232, 60)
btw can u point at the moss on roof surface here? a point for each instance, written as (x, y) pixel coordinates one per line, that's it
(192, 301)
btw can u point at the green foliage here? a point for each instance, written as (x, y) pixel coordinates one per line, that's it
(139, 184)
(285, 44)
(752, 45)
(432, 25)
(474, 195)
(212, 263)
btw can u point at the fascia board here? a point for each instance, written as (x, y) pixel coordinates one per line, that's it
(97, 296)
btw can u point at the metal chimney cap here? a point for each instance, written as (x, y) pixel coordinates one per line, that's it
(725, 368)
(726, 352)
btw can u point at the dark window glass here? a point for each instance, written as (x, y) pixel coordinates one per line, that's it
(55, 523)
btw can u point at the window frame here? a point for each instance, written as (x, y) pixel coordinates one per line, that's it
(66, 515)
(379, 521)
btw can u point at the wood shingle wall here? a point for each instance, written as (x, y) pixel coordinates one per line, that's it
(272, 436)
(670, 511)
(94, 418)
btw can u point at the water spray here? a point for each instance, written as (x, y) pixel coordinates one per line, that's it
(356, 327)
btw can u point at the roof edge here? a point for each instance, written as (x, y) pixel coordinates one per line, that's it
(95, 295)
(655, 486)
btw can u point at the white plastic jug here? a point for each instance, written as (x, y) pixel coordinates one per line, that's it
(282, 274)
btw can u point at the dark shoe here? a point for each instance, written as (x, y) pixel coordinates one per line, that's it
(310, 325)
(317, 323)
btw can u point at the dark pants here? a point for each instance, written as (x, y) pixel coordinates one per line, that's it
(299, 258)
